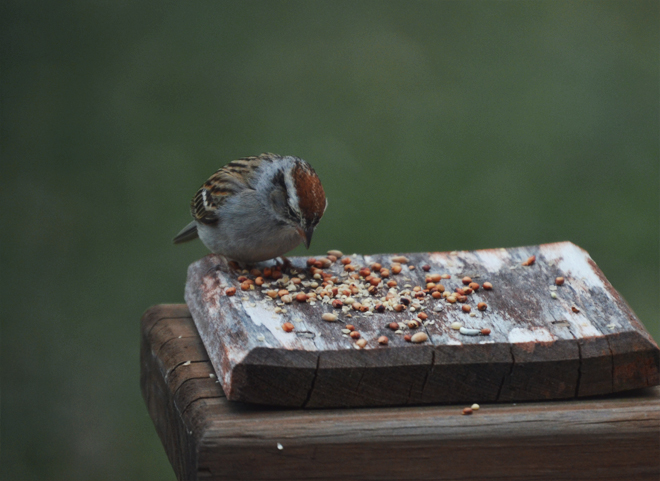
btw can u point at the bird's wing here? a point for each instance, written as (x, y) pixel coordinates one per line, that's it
(229, 180)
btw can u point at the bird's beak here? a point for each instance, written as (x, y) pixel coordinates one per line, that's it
(306, 235)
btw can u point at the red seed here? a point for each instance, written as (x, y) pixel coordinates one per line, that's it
(242, 279)
(231, 291)
(436, 295)
(301, 297)
(485, 332)
(445, 276)
(346, 260)
(407, 337)
(559, 281)
(276, 274)
(255, 272)
(376, 267)
(466, 308)
(467, 411)
(375, 281)
(460, 298)
(364, 272)
(466, 280)
(488, 286)
(530, 261)
(422, 315)
(259, 281)
(384, 340)
(426, 267)
(287, 327)
(474, 286)
(350, 327)
(435, 278)
(355, 335)
(482, 306)
(245, 286)
(393, 325)
(384, 273)
(391, 283)
(396, 269)
(337, 304)
(311, 261)
(575, 309)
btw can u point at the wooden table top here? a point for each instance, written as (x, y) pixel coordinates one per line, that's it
(208, 437)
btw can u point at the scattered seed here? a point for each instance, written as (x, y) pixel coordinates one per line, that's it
(487, 285)
(350, 327)
(419, 337)
(376, 267)
(336, 253)
(530, 261)
(426, 267)
(393, 325)
(451, 299)
(384, 273)
(245, 286)
(466, 280)
(575, 309)
(412, 268)
(474, 286)
(361, 343)
(413, 324)
(400, 259)
(469, 332)
(328, 316)
(287, 327)
(301, 297)
(559, 281)
(482, 306)
(475, 407)
(337, 304)
(399, 307)
(445, 276)
(485, 331)
(354, 334)
(422, 315)
(461, 298)
(231, 291)
(384, 340)
(553, 295)
(396, 268)
(408, 337)
(346, 260)
(467, 410)
(466, 308)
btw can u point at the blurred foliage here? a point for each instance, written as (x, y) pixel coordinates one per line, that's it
(433, 125)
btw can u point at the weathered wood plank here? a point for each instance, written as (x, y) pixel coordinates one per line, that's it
(546, 341)
(613, 437)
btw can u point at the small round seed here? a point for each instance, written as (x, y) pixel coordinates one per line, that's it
(350, 327)
(436, 278)
(466, 308)
(231, 291)
(376, 267)
(332, 258)
(355, 335)
(461, 298)
(559, 281)
(391, 283)
(575, 309)
(301, 297)
(336, 253)
(426, 267)
(396, 269)
(482, 306)
(356, 306)
(400, 259)
(419, 337)
(413, 324)
(272, 294)
(276, 274)
(475, 407)
(436, 295)
(337, 304)
(361, 343)
(379, 308)
(412, 268)
(456, 325)
(451, 299)
(311, 261)
(488, 286)
(393, 325)
(445, 276)
(245, 286)
(346, 260)
(485, 331)
(468, 291)
(328, 316)
(407, 337)
(282, 292)
(287, 299)
(467, 411)
(287, 327)
(466, 280)
(423, 316)
(259, 281)
(399, 307)
(375, 281)
(384, 273)
(474, 286)
(364, 272)
(384, 340)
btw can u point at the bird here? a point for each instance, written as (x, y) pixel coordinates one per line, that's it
(257, 208)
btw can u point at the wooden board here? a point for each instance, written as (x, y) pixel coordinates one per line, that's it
(546, 341)
(207, 437)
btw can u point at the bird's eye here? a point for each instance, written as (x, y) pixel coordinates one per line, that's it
(293, 213)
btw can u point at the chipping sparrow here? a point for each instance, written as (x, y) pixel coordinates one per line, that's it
(257, 208)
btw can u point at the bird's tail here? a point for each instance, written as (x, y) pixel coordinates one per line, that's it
(188, 233)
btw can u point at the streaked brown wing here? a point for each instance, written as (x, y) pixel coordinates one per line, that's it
(228, 180)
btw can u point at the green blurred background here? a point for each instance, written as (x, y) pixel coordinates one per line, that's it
(433, 125)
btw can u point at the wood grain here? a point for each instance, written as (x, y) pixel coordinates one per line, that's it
(208, 437)
(584, 341)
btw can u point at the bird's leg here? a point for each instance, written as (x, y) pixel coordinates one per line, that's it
(285, 265)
